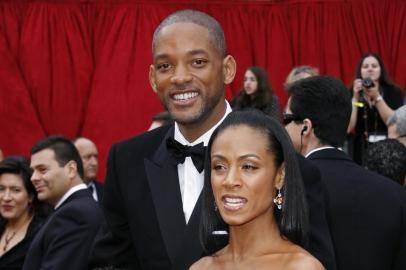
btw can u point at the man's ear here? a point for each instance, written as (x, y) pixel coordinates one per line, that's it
(229, 69)
(280, 177)
(152, 78)
(307, 126)
(72, 169)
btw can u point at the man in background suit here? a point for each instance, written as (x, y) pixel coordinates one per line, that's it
(152, 191)
(367, 211)
(65, 239)
(90, 159)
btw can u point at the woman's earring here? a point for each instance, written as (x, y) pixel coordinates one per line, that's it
(278, 200)
(215, 207)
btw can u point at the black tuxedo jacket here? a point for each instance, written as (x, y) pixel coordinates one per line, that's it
(143, 208)
(367, 211)
(65, 239)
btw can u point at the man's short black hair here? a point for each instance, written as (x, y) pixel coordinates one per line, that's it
(64, 150)
(197, 17)
(327, 103)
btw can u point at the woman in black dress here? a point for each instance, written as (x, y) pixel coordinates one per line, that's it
(19, 209)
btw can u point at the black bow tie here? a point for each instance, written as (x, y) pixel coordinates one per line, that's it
(180, 152)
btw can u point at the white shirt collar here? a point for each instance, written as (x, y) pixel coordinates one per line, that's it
(321, 148)
(206, 136)
(70, 192)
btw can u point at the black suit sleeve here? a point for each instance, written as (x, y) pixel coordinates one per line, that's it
(68, 239)
(320, 241)
(113, 246)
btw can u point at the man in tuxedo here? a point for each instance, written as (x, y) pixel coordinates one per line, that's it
(90, 159)
(154, 181)
(151, 194)
(367, 211)
(65, 239)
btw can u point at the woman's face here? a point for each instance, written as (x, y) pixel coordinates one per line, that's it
(14, 199)
(370, 68)
(250, 82)
(243, 175)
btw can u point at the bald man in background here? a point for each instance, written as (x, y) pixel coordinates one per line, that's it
(90, 158)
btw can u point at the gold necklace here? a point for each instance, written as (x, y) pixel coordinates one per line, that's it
(7, 239)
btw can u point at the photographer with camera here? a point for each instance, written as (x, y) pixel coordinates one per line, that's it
(375, 97)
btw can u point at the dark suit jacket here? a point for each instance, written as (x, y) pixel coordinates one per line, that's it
(143, 208)
(320, 242)
(368, 217)
(64, 240)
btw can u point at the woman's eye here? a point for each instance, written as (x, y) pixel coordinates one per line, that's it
(248, 167)
(218, 167)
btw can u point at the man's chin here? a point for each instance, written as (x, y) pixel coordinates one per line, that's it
(186, 118)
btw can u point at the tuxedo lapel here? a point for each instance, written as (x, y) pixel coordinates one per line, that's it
(164, 184)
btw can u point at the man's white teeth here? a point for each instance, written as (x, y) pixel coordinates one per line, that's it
(185, 96)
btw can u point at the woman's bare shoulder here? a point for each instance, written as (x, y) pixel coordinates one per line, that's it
(203, 263)
(304, 261)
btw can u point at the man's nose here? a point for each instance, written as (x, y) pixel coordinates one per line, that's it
(182, 75)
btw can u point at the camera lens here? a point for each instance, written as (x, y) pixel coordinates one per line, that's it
(367, 83)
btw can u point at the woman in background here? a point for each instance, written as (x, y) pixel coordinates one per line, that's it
(253, 189)
(257, 93)
(21, 217)
(300, 72)
(375, 97)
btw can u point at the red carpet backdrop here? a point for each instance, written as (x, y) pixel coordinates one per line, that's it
(80, 67)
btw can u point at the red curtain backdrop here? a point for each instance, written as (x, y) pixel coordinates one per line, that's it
(80, 67)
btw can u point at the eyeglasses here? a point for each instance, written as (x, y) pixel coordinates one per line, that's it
(289, 117)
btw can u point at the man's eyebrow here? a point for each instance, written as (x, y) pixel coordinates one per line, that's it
(160, 56)
(197, 51)
(191, 52)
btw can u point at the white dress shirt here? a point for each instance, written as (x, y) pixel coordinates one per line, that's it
(190, 180)
(70, 192)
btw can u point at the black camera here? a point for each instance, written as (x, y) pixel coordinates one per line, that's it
(367, 83)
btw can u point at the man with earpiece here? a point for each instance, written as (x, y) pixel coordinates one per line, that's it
(367, 212)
